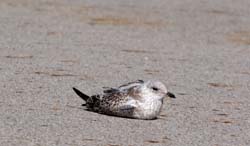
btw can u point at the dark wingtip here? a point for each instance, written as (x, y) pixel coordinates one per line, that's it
(74, 88)
(79, 93)
(171, 95)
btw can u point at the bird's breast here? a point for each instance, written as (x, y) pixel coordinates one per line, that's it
(149, 109)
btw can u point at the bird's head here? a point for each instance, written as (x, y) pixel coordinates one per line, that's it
(159, 89)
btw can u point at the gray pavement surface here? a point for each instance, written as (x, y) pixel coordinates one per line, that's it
(199, 48)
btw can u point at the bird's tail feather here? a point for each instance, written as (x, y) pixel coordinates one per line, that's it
(82, 95)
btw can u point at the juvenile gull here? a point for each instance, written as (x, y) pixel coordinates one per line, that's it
(139, 99)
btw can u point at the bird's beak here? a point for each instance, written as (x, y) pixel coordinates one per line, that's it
(171, 95)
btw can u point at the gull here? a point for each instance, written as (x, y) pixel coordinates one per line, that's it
(138, 99)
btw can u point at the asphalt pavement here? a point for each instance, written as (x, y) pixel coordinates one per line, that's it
(199, 48)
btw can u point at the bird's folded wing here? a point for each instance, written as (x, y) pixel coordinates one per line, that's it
(126, 108)
(130, 84)
(110, 90)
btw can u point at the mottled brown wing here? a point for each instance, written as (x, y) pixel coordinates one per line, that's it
(117, 103)
(114, 98)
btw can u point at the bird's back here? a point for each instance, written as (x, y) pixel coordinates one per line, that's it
(115, 101)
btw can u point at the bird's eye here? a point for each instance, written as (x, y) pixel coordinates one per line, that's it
(155, 89)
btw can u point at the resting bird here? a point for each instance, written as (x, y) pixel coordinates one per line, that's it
(139, 99)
